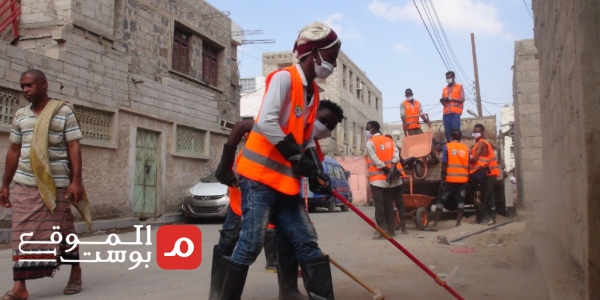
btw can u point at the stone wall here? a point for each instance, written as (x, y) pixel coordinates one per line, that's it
(117, 66)
(527, 129)
(568, 39)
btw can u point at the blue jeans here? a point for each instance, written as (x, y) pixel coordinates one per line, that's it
(451, 122)
(230, 233)
(261, 204)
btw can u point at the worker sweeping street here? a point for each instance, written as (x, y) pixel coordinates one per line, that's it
(280, 149)
(484, 170)
(410, 110)
(453, 100)
(455, 175)
(281, 257)
(382, 154)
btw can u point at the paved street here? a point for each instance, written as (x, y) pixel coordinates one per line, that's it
(492, 272)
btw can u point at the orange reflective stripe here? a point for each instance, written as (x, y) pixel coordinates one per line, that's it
(260, 160)
(457, 170)
(412, 114)
(454, 93)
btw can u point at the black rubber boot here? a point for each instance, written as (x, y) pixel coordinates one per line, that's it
(287, 274)
(270, 248)
(317, 278)
(216, 274)
(234, 281)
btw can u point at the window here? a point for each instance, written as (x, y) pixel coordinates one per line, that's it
(358, 88)
(344, 71)
(181, 57)
(369, 97)
(512, 152)
(376, 103)
(210, 68)
(190, 140)
(248, 84)
(8, 105)
(96, 125)
(350, 80)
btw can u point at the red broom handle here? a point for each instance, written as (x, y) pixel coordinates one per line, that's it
(395, 243)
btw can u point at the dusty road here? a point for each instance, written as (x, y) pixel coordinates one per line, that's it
(503, 266)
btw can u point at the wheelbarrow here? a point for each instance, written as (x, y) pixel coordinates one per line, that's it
(416, 207)
(419, 146)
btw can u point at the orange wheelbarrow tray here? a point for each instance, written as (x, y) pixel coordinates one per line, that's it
(416, 207)
(418, 146)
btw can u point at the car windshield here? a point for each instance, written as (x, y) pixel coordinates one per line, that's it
(210, 178)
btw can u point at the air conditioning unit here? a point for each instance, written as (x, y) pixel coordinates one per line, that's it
(226, 124)
(360, 86)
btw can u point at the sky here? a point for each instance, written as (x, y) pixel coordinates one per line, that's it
(388, 40)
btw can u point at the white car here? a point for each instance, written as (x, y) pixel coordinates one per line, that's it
(206, 199)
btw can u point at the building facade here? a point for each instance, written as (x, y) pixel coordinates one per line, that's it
(252, 91)
(155, 86)
(348, 86)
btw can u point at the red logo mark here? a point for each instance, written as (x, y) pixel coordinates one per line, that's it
(178, 247)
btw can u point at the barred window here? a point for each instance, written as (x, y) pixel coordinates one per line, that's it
(95, 125)
(248, 84)
(9, 100)
(190, 140)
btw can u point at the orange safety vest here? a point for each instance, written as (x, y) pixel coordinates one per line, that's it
(489, 161)
(384, 148)
(458, 163)
(235, 195)
(260, 160)
(412, 111)
(453, 107)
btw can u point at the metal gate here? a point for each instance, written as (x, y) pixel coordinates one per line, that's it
(146, 162)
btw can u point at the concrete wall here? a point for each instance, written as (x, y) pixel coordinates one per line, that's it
(568, 39)
(117, 65)
(357, 110)
(528, 129)
(507, 115)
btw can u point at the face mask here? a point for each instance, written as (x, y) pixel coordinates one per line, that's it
(321, 132)
(368, 134)
(409, 98)
(449, 81)
(476, 135)
(324, 70)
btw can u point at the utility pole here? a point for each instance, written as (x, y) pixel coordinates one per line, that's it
(476, 76)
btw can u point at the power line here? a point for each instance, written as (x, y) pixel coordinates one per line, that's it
(435, 31)
(436, 47)
(529, 11)
(448, 43)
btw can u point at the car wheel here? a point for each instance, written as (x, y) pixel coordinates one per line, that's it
(331, 207)
(344, 208)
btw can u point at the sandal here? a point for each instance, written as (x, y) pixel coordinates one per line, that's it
(72, 288)
(11, 296)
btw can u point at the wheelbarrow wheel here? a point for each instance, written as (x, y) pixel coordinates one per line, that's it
(422, 218)
(419, 169)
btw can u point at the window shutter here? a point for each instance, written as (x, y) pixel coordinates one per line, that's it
(184, 61)
(176, 56)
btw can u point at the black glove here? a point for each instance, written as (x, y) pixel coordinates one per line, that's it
(385, 170)
(318, 173)
(393, 174)
(444, 100)
(288, 148)
(224, 172)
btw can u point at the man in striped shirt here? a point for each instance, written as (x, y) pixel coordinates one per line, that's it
(30, 210)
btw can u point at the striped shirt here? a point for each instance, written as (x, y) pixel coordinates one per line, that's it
(63, 128)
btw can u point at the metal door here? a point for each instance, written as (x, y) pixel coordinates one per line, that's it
(146, 162)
